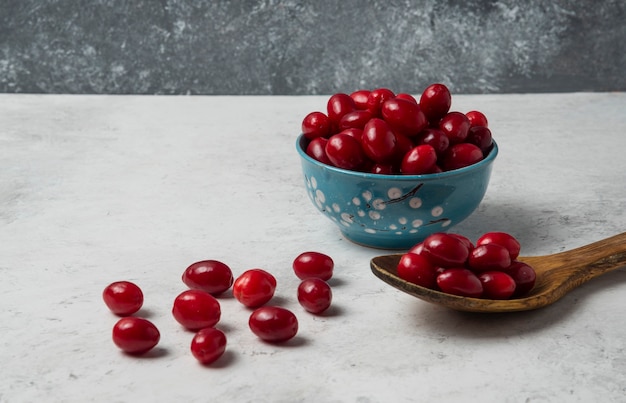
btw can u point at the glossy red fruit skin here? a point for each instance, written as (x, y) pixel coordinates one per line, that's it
(489, 257)
(208, 345)
(316, 124)
(502, 239)
(360, 98)
(477, 118)
(404, 116)
(314, 295)
(460, 156)
(435, 102)
(524, 276)
(417, 269)
(353, 132)
(123, 297)
(195, 309)
(455, 125)
(465, 240)
(355, 119)
(317, 150)
(444, 250)
(313, 265)
(210, 276)
(497, 285)
(254, 287)
(135, 335)
(436, 139)
(420, 160)
(403, 146)
(377, 98)
(273, 324)
(418, 248)
(344, 151)
(460, 281)
(338, 105)
(406, 96)
(378, 141)
(481, 137)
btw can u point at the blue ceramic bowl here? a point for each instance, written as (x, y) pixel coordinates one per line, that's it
(394, 211)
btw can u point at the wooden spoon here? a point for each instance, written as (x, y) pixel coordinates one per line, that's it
(557, 274)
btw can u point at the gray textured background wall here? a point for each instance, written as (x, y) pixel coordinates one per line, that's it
(310, 47)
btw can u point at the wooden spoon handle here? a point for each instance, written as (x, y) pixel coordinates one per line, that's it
(577, 266)
(602, 256)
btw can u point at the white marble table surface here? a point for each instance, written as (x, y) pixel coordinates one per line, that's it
(95, 189)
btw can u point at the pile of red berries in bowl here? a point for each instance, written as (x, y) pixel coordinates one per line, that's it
(389, 170)
(451, 263)
(384, 133)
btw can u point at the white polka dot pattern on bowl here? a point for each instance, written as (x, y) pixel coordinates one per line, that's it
(371, 210)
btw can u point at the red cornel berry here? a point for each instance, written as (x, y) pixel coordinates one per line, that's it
(211, 276)
(313, 265)
(208, 345)
(460, 281)
(455, 125)
(254, 287)
(345, 151)
(273, 324)
(317, 150)
(420, 160)
(378, 141)
(489, 257)
(338, 105)
(135, 335)
(123, 297)
(435, 102)
(503, 239)
(404, 116)
(314, 295)
(445, 250)
(417, 269)
(497, 285)
(376, 99)
(360, 98)
(477, 118)
(316, 124)
(195, 309)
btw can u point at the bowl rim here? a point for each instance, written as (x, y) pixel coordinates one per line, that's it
(367, 175)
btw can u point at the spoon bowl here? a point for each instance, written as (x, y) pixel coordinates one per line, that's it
(557, 274)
